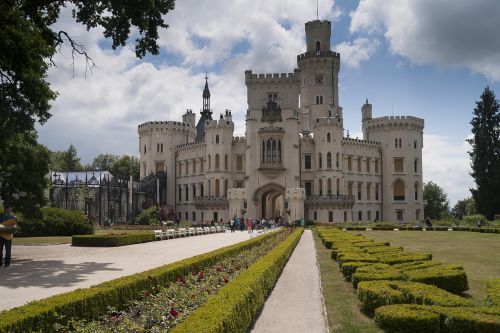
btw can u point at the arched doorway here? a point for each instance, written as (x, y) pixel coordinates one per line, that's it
(271, 199)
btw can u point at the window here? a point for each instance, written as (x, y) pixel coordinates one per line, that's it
(194, 190)
(161, 147)
(359, 191)
(337, 159)
(307, 161)
(369, 216)
(216, 216)
(271, 151)
(398, 143)
(359, 164)
(187, 168)
(345, 216)
(329, 186)
(239, 184)
(368, 162)
(328, 137)
(194, 167)
(217, 138)
(330, 216)
(415, 165)
(226, 162)
(157, 147)
(319, 99)
(318, 79)
(315, 216)
(217, 162)
(376, 192)
(217, 187)
(320, 186)
(338, 186)
(415, 146)
(202, 192)
(398, 164)
(194, 216)
(179, 192)
(399, 190)
(349, 163)
(399, 215)
(329, 160)
(320, 161)
(144, 149)
(416, 191)
(159, 167)
(186, 217)
(377, 215)
(226, 185)
(202, 165)
(209, 162)
(368, 191)
(308, 188)
(180, 169)
(318, 46)
(376, 166)
(360, 216)
(187, 194)
(349, 188)
(239, 163)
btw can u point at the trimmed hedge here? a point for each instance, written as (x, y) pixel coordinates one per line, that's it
(448, 277)
(235, 306)
(349, 268)
(374, 294)
(90, 303)
(493, 292)
(411, 318)
(375, 272)
(112, 239)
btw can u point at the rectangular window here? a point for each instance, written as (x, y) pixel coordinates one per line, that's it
(186, 217)
(377, 215)
(376, 166)
(307, 161)
(398, 164)
(216, 216)
(415, 165)
(330, 216)
(187, 168)
(376, 192)
(359, 164)
(315, 216)
(359, 191)
(202, 165)
(159, 167)
(239, 162)
(318, 79)
(349, 163)
(319, 99)
(360, 216)
(399, 215)
(368, 162)
(368, 191)
(194, 167)
(369, 216)
(308, 188)
(194, 216)
(349, 188)
(415, 146)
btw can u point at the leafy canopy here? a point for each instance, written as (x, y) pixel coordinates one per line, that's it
(437, 205)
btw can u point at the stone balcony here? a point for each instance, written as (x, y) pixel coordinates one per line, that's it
(212, 202)
(333, 201)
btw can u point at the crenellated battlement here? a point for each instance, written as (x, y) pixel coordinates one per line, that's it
(395, 121)
(149, 126)
(308, 55)
(220, 124)
(239, 139)
(327, 122)
(365, 143)
(266, 78)
(191, 145)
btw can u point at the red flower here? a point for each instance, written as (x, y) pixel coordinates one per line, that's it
(115, 317)
(226, 279)
(180, 280)
(173, 312)
(147, 293)
(218, 268)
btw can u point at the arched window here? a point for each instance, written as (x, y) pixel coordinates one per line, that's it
(329, 186)
(320, 161)
(263, 151)
(209, 162)
(273, 154)
(217, 187)
(179, 192)
(399, 190)
(217, 161)
(328, 137)
(157, 147)
(194, 190)
(187, 193)
(226, 162)
(338, 187)
(318, 47)
(217, 138)
(226, 184)
(329, 160)
(416, 191)
(271, 151)
(320, 185)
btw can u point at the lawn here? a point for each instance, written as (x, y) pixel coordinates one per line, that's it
(53, 240)
(341, 302)
(478, 253)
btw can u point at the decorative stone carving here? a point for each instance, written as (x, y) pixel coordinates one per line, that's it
(271, 113)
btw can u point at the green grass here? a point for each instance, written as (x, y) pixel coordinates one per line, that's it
(53, 240)
(477, 252)
(342, 305)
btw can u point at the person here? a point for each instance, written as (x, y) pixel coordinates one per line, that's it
(7, 220)
(231, 224)
(302, 223)
(249, 225)
(242, 223)
(428, 222)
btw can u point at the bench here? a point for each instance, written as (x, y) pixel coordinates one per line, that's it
(191, 232)
(181, 232)
(170, 233)
(158, 234)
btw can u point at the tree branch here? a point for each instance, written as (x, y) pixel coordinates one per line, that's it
(76, 49)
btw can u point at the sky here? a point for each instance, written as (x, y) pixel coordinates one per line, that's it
(426, 58)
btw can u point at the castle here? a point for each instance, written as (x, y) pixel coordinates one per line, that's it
(294, 160)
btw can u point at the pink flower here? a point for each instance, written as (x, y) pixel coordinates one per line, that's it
(173, 312)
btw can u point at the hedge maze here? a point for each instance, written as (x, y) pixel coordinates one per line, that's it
(407, 291)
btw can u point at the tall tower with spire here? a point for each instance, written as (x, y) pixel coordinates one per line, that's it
(206, 113)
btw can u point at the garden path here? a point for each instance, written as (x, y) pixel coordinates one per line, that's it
(38, 272)
(296, 303)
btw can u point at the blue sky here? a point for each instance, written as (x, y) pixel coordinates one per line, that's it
(427, 58)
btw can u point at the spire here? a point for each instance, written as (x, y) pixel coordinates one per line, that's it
(206, 113)
(206, 95)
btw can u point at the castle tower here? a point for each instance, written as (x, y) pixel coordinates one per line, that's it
(189, 117)
(319, 68)
(366, 116)
(206, 113)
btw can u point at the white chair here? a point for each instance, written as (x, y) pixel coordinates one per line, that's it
(206, 229)
(218, 228)
(170, 233)
(158, 234)
(181, 232)
(191, 232)
(200, 231)
(213, 229)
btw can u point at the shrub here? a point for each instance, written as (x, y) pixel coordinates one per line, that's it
(410, 318)
(375, 272)
(235, 306)
(147, 216)
(472, 219)
(384, 249)
(493, 292)
(401, 257)
(349, 268)
(55, 222)
(448, 277)
(89, 303)
(112, 239)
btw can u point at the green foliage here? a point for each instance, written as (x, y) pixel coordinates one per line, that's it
(236, 305)
(54, 222)
(448, 277)
(90, 303)
(472, 219)
(493, 291)
(349, 268)
(437, 201)
(147, 216)
(375, 272)
(112, 239)
(104, 162)
(67, 160)
(485, 154)
(411, 318)
(375, 294)
(125, 167)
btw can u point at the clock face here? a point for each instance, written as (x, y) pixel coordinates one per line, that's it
(318, 79)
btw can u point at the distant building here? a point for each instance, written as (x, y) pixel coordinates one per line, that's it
(294, 157)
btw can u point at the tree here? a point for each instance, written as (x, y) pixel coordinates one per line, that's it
(28, 43)
(125, 167)
(485, 154)
(67, 160)
(104, 161)
(464, 207)
(437, 205)
(23, 181)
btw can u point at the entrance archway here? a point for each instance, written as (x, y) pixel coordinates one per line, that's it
(271, 198)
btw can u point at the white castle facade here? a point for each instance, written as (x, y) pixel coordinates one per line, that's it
(294, 160)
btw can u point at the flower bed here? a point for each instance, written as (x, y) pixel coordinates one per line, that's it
(112, 239)
(90, 303)
(163, 307)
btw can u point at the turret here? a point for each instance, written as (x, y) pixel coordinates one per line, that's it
(206, 113)
(318, 36)
(366, 115)
(189, 117)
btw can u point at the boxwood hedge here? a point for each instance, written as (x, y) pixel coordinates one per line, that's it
(493, 292)
(112, 239)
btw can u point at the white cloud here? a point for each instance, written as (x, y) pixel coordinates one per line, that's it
(446, 33)
(353, 53)
(447, 165)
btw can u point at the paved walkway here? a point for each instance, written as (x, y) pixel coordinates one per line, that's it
(296, 304)
(37, 272)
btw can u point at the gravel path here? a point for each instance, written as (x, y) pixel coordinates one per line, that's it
(296, 303)
(37, 272)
